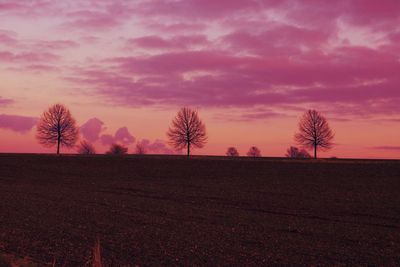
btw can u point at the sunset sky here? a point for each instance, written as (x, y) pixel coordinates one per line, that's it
(251, 68)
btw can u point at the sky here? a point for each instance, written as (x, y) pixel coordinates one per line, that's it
(250, 67)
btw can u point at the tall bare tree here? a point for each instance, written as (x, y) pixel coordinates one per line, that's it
(314, 132)
(187, 131)
(254, 152)
(86, 148)
(57, 127)
(232, 152)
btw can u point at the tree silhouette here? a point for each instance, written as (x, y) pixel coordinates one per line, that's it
(314, 132)
(295, 153)
(57, 127)
(187, 131)
(117, 149)
(86, 148)
(232, 152)
(254, 152)
(140, 149)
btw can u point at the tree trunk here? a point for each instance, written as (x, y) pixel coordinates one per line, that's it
(315, 151)
(58, 144)
(188, 150)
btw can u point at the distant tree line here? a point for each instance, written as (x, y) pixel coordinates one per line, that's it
(57, 128)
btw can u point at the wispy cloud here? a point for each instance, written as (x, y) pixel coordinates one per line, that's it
(207, 53)
(17, 123)
(5, 101)
(386, 147)
(122, 136)
(92, 129)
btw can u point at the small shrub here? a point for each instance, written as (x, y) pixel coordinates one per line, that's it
(254, 152)
(232, 152)
(86, 148)
(295, 153)
(117, 149)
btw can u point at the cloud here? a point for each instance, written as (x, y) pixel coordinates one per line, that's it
(91, 129)
(245, 115)
(107, 139)
(122, 135)
(5, 101)
(197, 9)
(27, 57)
(386, 147)
(176, 42)
(156, 147)
(105, 16)
(16, 123)
(53, 44)
(28, 8)
(100, 15)
(8, 38)
(362, 76)
(341, 54)
(173, 27)
(9, 6)
(279, 38)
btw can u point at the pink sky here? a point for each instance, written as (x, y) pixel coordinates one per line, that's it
(251, 68)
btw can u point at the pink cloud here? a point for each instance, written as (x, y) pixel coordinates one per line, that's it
(8, 38)
(175, 62)
(122, 136)
(35, 68)
(21, 124)
(28, 8)
(346, 74)
(55, 44)
(370, 11)
(84, 20)
(107, 139)
(91, 130)
(386, 148)
(11, 39)
(9, 6)
(201, 8)
(174, 27)
(156, 147)
(177, 42)
(28, 57)
(227, 53)
(99, 15)
(5, 101)
(245, 115)
(281, 39)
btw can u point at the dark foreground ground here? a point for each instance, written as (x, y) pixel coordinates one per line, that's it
(205, 211)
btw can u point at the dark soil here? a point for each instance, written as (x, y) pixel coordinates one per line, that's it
(158, 211)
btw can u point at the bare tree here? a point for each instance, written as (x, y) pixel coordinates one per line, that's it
(314, 132)
(140, 149)
(187, 131)
(117, 149)
(57, 127)
(232, 152)
(295, 153)
(86, 148)
(254, 152)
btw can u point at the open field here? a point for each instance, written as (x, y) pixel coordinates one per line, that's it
(204, 211)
